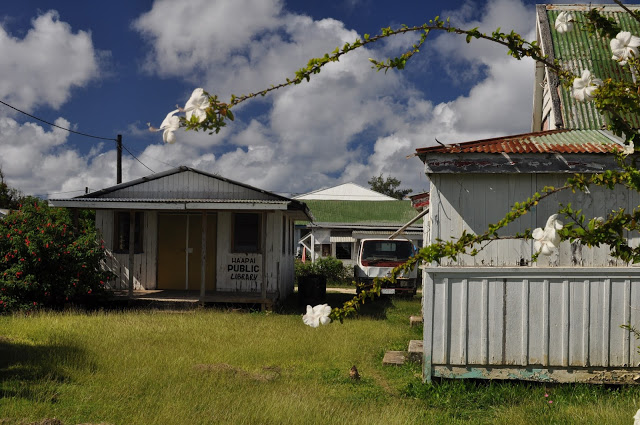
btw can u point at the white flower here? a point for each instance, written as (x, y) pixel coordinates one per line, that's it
(564, 22)
(170, 124)
(624, 46)
(547, 239)
(584, 86)
(197, 105)
(636, 418)
(318, 315)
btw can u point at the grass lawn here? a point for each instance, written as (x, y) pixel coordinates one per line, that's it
(216, 366)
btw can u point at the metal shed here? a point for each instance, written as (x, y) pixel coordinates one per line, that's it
(497, 315)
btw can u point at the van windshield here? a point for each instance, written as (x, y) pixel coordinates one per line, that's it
(373, 251)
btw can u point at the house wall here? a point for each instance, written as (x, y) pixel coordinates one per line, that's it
(278, 262)
(145, 263)
(549, 324)
(277, 266)
(471, 201)
(497, 315)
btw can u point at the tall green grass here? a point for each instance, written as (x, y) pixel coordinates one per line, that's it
(215, 366)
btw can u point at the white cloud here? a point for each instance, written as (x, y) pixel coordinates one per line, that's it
(321, 132)
(349, 124)
(43, 67)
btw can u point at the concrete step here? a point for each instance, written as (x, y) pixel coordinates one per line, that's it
(415, 321)
(415, 350)
(395, 358)
(398, 358)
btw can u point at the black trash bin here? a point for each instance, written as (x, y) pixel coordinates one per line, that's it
(312, 290)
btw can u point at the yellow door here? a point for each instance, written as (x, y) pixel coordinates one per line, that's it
(180, 251)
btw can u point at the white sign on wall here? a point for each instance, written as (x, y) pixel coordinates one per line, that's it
(244, 268)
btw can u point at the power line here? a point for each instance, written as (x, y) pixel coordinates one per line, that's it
(136, 158)
(156, 159)
(55, 125)
(75, 132)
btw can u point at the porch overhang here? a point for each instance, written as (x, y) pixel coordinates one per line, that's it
(172, 205)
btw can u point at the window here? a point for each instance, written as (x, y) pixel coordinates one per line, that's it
(121, 237)
(343, 250)
(326, 249)
(246, 232)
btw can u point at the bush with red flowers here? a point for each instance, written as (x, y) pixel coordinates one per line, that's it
(44, 262)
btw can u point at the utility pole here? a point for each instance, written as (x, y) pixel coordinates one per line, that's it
(119, 161)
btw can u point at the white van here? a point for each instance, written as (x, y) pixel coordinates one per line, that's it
(377, 257)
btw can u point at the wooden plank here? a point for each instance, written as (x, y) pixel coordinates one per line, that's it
(263, 241)
(394, 358)
(203, 267)
(132, 226)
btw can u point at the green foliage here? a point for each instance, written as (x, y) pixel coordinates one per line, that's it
(45, 263)
(9, 197)
(388, 186)
(331, 268)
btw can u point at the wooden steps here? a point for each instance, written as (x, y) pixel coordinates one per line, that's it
(397, 358)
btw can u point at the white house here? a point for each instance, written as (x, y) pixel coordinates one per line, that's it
(348, 213)
(185, 229)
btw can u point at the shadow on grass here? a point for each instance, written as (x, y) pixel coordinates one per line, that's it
(376, 309)
(33, 371)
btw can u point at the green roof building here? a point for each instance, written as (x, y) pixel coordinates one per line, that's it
(340, 222)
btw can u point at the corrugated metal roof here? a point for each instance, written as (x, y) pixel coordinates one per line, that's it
(362, 212)
(554, 141)
(578, 50)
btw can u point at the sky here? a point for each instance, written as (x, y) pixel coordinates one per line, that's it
(109, 68)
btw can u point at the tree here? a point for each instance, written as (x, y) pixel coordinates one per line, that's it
(9, 197)
(616, 98)
(45, 262)
(388, 186)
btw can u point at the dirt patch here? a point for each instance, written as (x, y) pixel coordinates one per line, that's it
(269, 373)
(48, 421)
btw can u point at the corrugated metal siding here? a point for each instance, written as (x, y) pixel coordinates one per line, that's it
(471, 201)
(578, 50)
(501, 317)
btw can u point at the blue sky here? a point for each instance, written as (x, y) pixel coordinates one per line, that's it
(108, 68)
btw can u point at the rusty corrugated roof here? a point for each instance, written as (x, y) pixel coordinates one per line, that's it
(553, 141)
(578, 50)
